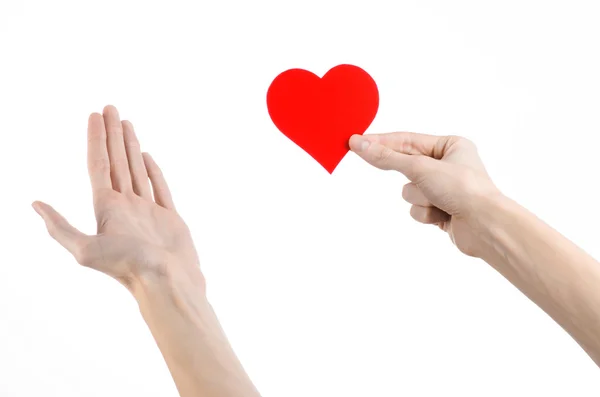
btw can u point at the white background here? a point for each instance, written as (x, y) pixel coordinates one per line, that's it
(324, 284)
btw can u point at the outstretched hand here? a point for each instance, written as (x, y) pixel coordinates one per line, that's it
(448, 181)
(139, 231)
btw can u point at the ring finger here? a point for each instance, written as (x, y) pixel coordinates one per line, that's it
(428, 215)
(139, 175)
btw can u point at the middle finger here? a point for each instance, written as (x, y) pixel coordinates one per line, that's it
(119, 166)
(139, 175)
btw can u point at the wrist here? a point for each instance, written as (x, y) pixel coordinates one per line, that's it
(494, 217)
(187, 331)
(181, 285)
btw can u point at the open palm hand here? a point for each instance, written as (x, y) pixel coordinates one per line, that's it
(139, 230)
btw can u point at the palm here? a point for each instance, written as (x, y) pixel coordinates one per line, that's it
(139, 229)
(135, 235)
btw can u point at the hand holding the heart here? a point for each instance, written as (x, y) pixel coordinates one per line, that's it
(448, 181)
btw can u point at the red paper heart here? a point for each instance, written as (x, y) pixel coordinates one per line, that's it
(321, 114)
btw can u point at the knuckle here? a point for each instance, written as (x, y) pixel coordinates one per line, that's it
(463, 142)
(470, 183)
(420, 161)
(154, 171)
(382, 155)
(425, 216)
(416, 214)
(55, 228)
(86, 253)
(100, 164)
(115, 129)
(118, 163)
(406, 191)
(105, 195)
(82, 254)
(132, 143)
(96, 136)
(419, 167)
(53, 231)
(465, 177)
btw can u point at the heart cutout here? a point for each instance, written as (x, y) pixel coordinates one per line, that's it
(321, 114)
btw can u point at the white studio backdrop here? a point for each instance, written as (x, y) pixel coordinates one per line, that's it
(323, 283)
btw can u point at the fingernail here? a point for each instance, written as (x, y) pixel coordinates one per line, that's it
(359, 143)
(364, 145)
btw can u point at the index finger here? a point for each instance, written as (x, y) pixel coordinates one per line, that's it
(97, 155)
(411, 143)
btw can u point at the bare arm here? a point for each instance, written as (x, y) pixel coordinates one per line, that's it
(449, 187)
(190, 337)
(143, 243)
(553, 272)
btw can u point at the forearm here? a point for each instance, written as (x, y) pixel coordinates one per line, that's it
(190, 337)
(553, 272)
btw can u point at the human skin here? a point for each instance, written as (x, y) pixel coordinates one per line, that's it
(145, 245)
(449, 187)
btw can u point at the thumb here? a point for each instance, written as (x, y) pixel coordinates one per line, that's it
(59, 228)
(382, 157)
